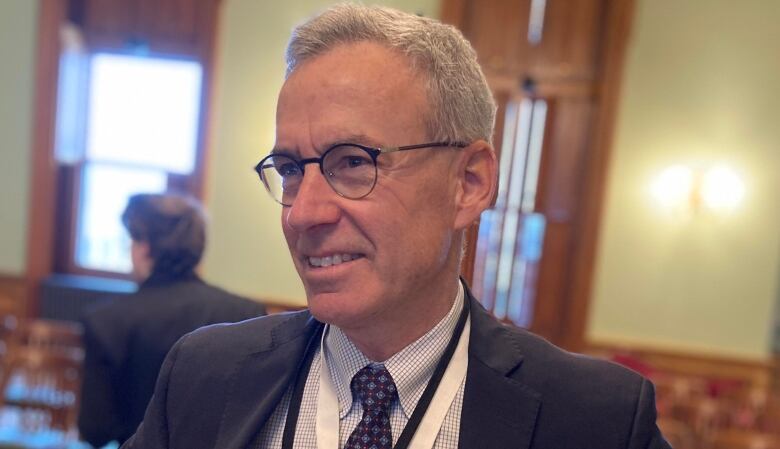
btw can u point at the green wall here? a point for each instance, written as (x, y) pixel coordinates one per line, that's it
(702, 86)
(247, 252)
(18, 23)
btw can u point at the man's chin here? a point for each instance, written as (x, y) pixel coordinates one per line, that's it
(337, 309)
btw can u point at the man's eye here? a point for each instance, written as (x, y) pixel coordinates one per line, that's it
(356, 161)
(352, 161)
(288, 169)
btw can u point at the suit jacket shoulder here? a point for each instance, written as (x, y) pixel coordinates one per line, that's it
(235, 373)
(539, 396)
(226, 342)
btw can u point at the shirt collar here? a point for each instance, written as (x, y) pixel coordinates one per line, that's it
(411, 368)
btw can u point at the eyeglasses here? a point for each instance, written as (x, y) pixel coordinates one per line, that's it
(349, 168)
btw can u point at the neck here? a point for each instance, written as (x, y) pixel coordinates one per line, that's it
(381, 341)
(164, 278)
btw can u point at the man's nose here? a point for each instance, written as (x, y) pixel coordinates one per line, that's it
(314, 204)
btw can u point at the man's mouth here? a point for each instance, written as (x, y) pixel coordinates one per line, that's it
(335, 259)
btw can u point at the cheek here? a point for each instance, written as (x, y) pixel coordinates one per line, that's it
(433, 224)
(289, 234)
(414, 239)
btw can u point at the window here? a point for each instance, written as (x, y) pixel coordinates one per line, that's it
(140, 135)
(511, 234)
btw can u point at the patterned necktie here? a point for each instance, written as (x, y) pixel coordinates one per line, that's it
(375, 389)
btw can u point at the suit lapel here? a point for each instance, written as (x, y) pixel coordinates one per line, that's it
(261, 380)
(498, 411)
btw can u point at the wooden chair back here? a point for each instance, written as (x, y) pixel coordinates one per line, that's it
(741, 439)
(679, 434)
(8, 324)
(43, 381)
(40, 374)
(47, 334)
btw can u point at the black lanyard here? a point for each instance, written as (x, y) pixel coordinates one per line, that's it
(419, 411)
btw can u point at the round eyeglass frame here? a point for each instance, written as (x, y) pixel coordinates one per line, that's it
(373, 152)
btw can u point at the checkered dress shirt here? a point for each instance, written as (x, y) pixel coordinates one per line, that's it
(411, 369)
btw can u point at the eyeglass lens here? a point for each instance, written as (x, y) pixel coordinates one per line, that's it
(350, 171)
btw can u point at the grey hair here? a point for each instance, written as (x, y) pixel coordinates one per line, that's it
(462, 106)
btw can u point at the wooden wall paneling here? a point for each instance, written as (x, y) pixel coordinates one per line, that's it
(579, 55)
(68, 183)
(170, 20)
(566, 139)
(174, 27)
(12, 295)
(569, 144)
(453, 12)
(566, 150)
(571, 38)
(208, 20)
(753, 372)
(618, 22)
(43, 176)
(109, 20)
(550, 299)
(497, 29)
(179, 26)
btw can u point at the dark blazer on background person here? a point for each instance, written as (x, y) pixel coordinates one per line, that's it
(219, 385)
(127, 339)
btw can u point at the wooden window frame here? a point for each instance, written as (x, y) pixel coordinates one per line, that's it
(53, 188)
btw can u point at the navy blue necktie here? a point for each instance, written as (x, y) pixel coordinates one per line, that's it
(375, 389)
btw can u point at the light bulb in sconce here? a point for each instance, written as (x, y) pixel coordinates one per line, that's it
(682, 189)
(722, 189)
(673, 188)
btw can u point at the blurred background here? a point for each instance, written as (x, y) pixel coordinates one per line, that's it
(638, 214)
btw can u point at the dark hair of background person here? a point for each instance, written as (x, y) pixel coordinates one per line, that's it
(174, 227)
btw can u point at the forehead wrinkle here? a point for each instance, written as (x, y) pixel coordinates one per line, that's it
(347, 91)
(346, 82)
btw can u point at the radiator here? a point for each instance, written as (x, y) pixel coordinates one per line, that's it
(66, 297)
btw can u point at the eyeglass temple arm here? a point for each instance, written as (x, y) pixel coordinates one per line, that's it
(422, 145)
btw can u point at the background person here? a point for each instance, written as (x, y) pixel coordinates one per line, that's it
(126, 340)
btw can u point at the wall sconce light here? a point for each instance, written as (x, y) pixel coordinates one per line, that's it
(681, 188)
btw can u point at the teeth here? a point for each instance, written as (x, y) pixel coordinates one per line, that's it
(332, 260)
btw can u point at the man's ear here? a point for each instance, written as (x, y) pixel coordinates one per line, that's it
(144, 249)
(141, 255)
(477, 177)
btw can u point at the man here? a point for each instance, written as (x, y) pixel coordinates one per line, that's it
(382, 161)
(126, 340)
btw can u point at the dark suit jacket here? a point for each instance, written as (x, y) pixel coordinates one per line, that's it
(126, 342)
(220, 385)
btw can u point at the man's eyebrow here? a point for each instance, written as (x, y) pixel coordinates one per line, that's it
(284, 152)
(361, 139)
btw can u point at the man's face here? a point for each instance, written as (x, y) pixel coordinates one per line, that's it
(398, 241)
